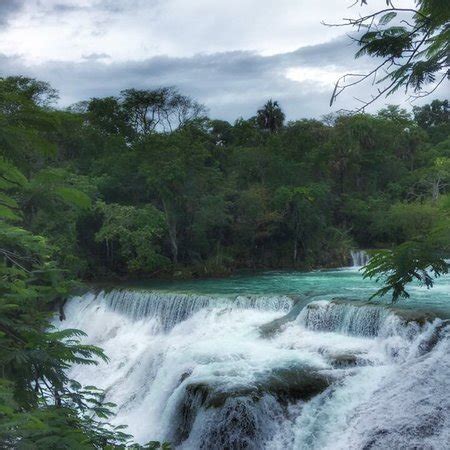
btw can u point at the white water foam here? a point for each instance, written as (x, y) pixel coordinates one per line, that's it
(198, 371)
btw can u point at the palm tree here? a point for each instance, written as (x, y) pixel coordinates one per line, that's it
(270, 117)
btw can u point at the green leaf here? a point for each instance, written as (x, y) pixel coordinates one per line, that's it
(7, 213)
(8, 201)
(384, 20)
(73, 197)
(10, 176)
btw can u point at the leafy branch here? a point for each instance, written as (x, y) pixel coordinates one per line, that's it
(414, 52)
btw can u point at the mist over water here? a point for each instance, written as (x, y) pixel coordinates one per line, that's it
(272, 361)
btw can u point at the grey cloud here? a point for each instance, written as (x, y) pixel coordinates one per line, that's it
(117, 7)
(96, 56)
(230, 84)
(61, 8)
(108, 6)
(339, 51)
(8, 8)
(111, 6)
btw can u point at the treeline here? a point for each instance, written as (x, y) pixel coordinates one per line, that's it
(172, 191)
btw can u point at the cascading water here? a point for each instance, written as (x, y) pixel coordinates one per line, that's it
(359, 258)
(170, 309)
(201, 371)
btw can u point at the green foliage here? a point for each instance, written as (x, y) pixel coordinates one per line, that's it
(10, 176)
(40, 407)
(420, 258)
(37, 92)
(412, 260)
(211, 192)
(411, 45)
(24, 122)
(270, 117)
(108, 116)
(405, 221)
(132, 236)
(79, 425)
(302, 209)
(432, 115)
(435, 118)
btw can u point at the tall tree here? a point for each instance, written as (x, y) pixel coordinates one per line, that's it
(434, 114)
(38, 92)
(270, 117)
(163, 109)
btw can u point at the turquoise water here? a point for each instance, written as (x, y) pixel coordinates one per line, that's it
(346, 283)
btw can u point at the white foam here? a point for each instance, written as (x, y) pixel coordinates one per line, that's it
(162, 373)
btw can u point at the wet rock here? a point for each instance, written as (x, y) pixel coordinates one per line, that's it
(193, 400)
(431, 341)
(289, 384)
(344, 360)
(243, 423)
(294, 384)
(185, 375)
(283, 385)
(270, 329)
(413, 316)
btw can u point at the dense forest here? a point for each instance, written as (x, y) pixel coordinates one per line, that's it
(145, 184)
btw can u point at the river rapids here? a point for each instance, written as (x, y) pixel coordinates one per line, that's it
(205, 371)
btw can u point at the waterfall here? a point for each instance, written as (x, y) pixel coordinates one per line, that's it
(352, 319)
(196, 370)
(170, 309)
(359, 258)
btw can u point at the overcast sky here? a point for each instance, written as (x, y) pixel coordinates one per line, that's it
(231, 55)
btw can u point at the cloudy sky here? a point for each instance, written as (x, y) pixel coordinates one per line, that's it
(231, 55)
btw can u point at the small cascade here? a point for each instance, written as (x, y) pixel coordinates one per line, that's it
(173, 308)
(359, 258)
(347, 318)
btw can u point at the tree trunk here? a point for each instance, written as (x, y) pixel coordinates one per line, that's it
(436, 190)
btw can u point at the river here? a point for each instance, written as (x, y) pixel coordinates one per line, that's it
(273, 360)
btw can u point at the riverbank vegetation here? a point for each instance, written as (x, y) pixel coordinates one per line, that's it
(145, 184)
